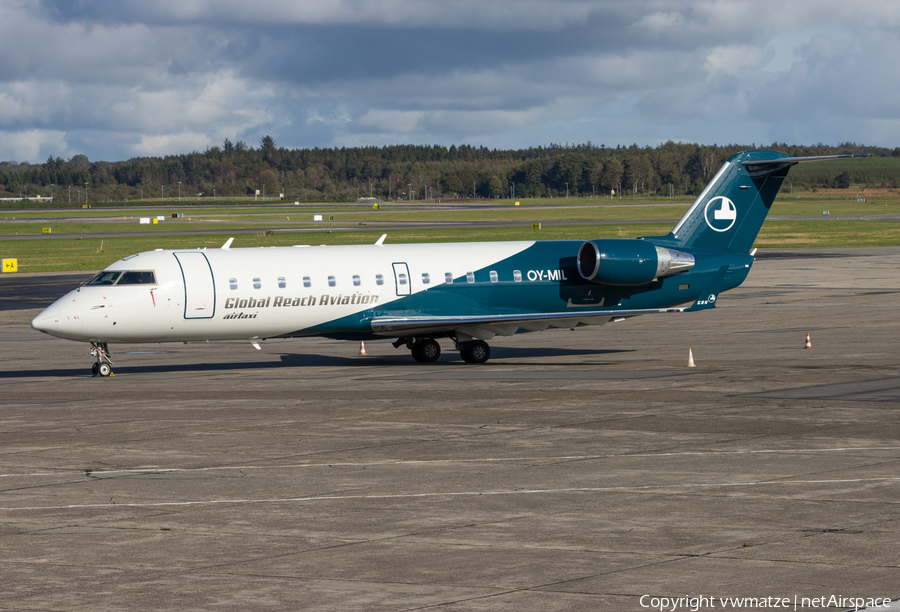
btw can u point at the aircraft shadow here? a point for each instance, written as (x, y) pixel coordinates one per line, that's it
(449, 358)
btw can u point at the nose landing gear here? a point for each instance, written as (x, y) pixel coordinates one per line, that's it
(103, 367)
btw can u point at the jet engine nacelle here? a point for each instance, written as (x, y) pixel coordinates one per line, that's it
(629, 262)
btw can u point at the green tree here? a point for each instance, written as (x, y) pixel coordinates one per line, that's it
(497, 187)
(611, 175)
(638, 172)
(596, 173)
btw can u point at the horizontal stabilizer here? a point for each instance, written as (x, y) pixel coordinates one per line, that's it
(796, 160)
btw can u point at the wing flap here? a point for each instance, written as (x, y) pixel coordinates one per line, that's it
(501, 325)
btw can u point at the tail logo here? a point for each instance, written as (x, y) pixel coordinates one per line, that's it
(720, 214)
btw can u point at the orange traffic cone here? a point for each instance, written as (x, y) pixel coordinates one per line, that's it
(691, 359)
(362, 348)
(808, 343)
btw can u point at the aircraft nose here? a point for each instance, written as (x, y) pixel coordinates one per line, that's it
(47, 321)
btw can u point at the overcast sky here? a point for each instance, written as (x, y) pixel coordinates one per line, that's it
(115, 79)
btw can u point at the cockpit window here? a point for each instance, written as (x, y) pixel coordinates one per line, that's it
(117, 277)
(105, 278)
(138, 278)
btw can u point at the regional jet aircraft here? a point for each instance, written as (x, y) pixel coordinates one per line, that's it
(420, 293)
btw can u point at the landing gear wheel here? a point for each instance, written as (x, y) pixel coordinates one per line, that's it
(464, 353)
(103, 367)
(475, 352)
(426, 350)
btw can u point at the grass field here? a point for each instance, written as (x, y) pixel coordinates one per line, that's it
(579, 210)
(84, 254)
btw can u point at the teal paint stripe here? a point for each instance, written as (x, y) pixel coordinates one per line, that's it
(542, 296)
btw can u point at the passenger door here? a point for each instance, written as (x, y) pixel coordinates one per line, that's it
(199, 285)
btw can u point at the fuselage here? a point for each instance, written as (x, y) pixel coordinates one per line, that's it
(337, 291)
(418, 293)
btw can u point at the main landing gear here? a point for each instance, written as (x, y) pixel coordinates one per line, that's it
(477, 351)
(103, 367)
(427, 350)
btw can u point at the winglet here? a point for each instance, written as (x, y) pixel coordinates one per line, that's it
(227, 245)
(381, 240)
(710, 293)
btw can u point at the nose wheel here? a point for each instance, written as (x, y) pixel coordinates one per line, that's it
(103, 367)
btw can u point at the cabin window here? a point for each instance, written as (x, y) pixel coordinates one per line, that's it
(426, 278)
(331, 281)
(356, 280)
(402, 278)
(282, 283)
(232, 283)
(448, 278)
(105, 278)
(257, 284)
(470, 277)
(517, 276)
(494, 277)
(306, 281)
(137, 278)
(379, 279)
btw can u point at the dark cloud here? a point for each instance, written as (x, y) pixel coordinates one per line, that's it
(117, 78)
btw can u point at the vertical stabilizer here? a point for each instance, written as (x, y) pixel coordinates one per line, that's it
(730, 212)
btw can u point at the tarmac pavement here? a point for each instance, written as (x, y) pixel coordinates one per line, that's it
(576, 470)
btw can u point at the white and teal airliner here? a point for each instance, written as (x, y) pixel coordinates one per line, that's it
(419, 294)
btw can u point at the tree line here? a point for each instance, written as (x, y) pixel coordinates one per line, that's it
(426, 171)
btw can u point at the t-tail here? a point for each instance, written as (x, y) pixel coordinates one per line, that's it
(730, 212)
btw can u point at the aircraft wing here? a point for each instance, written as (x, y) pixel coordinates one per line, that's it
(488, 326)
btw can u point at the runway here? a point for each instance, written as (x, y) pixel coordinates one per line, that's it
(577, 470)
(288, 227)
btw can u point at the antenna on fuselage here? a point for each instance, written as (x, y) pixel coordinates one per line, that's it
(227, 245)
(381, 240)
